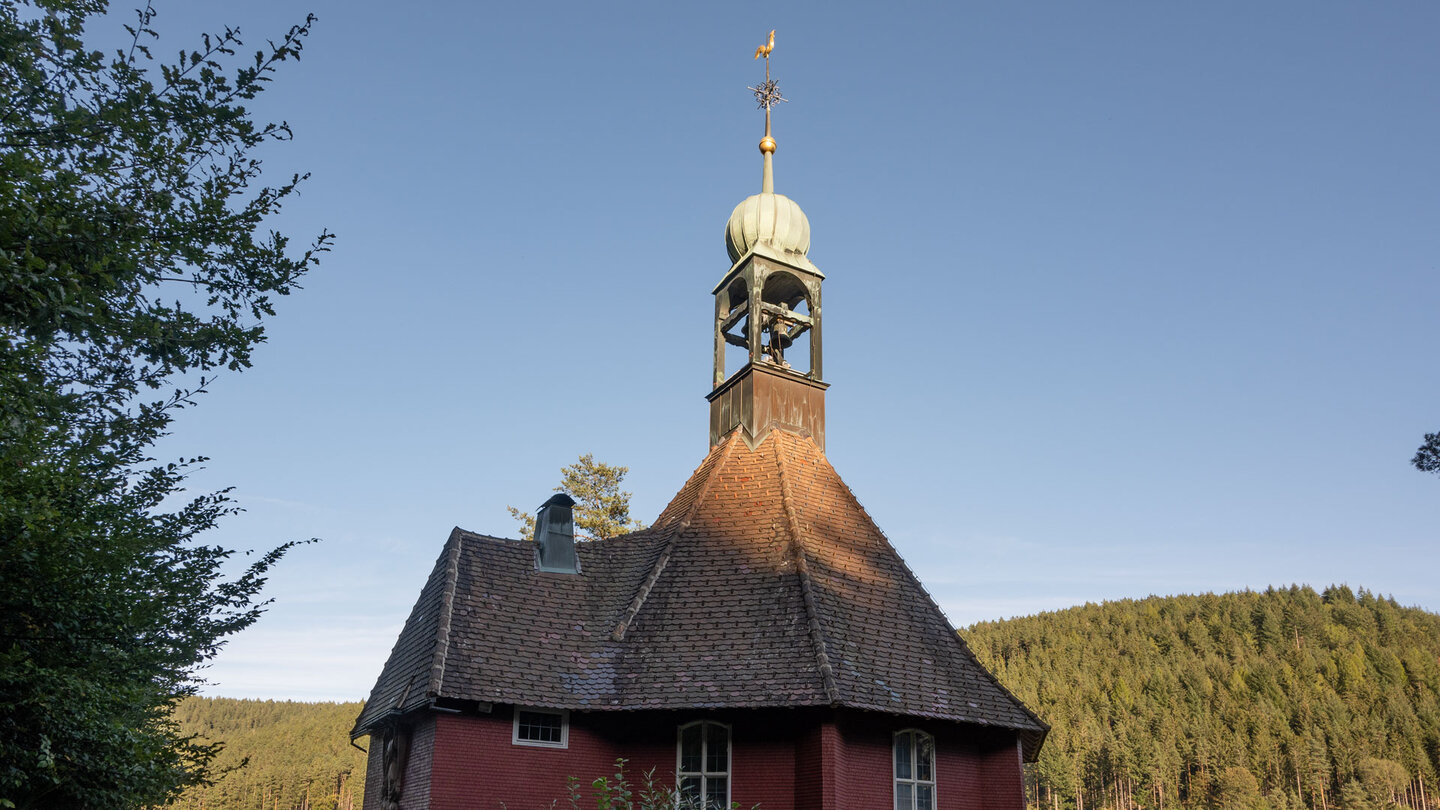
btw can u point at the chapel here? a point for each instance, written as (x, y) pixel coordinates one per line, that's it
(761, 643)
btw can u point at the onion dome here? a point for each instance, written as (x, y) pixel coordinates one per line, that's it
(768, 218)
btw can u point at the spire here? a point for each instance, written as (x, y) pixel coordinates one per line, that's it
(768, 218)
(768, 95)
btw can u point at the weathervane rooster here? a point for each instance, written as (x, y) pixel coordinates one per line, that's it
(764, 50)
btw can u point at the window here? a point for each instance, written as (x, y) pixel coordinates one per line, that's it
(914, 771)
(702, 770)
(545, 728)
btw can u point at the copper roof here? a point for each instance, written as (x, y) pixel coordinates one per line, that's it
(764, 583)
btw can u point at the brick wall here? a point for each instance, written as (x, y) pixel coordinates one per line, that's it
(1003, 778)
(975, 768)
(866, 763)
(477, 766)
(809, 767)
(959, 782)
(781, 760)
(763, 759)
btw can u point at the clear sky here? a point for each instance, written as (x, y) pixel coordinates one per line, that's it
(1122, 298)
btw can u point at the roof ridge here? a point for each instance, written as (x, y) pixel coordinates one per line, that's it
(953, 632)
(489, 538)
(675, 529)
(807, 591)
(447, 607)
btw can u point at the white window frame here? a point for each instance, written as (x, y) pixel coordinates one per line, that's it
(728, 773)
(914, 781)
(564, 728)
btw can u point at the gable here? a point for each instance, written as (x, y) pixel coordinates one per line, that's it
(405, 683)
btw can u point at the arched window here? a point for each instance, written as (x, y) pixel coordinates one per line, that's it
(914, 770)
(702, 770)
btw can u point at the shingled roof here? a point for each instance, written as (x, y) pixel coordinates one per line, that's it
(764, 583)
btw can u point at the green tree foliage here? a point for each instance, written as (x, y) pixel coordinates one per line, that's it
(1382, 781)
(615, 792)
(277, 754)
(1236, 789)
(132, 267)
(602, 509)
(1287, 698)
(1427, 458)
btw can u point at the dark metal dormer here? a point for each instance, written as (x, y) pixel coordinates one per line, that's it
(555, 536)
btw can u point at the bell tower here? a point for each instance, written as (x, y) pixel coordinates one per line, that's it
(768, 305)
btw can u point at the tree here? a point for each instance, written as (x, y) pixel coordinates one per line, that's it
(133, 266)
(1339, 705)
(1427, 458)
(1236, 788)
(1383, 781)
(601, 509)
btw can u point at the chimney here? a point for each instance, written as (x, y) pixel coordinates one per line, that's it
(555, 536)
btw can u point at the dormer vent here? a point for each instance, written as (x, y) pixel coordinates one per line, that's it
(555, 536)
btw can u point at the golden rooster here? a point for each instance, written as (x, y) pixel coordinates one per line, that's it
(764, 50)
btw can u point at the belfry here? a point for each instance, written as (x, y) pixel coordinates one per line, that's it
(766, 304)
(761, 643)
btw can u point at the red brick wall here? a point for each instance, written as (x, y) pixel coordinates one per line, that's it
(477, 766)
(959, 783)
(762, 760)
(865, 762)
(782, 760)
(1003, 778)
(975, 769)
(809, 767)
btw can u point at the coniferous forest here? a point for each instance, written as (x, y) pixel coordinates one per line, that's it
(278, 755)
(1280, 700)
(1283, 699)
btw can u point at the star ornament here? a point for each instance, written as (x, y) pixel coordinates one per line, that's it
(767, 94)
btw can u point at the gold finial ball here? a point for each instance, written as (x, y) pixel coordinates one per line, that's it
(767, 145)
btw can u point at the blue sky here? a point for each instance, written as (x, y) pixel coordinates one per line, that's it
(1122, 298)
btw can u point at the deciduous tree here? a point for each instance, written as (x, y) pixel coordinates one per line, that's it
(134, 264)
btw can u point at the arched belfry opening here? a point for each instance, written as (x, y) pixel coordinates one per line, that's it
(780, 331)
(785, 323)
(768, 370)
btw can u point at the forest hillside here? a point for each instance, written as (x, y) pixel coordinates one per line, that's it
(279, 755)
(1280, 700)
(1283, 699)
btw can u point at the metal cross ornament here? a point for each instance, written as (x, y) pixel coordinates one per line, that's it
(767, 94)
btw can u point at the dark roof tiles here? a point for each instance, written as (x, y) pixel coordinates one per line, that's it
(763, 583)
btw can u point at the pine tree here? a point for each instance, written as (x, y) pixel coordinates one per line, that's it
(602, 509)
